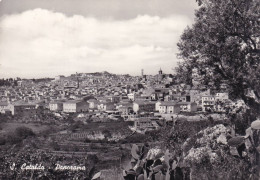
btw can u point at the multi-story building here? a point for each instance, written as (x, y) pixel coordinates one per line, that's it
(188, 106)
(107, 106)
(143, 106)
(3, 107)
(221, 96)
(131, 96)
(208, 103)
(25, 109)
(73, 106)
(56, 106)
(93, 103)
(169, 108)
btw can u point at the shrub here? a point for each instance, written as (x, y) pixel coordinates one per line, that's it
(136, 138)
(48, 131)
(130, 123)
(13, 138)
(87, 140)
(2, 141)
(23, 132)
(55, 146)
(107, 133)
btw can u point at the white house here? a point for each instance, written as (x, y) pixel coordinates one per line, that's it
(208, 102)
(188, 106)
(56, 106)
(131, 96)
(73, 106)
(3, 107)
(169, 108)
(221, 96)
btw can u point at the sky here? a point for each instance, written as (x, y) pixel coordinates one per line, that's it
(46, 38)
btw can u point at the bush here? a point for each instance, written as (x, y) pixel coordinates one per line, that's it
(107, 133)
(75, 149)
(136, 138)
(130, 123)
(55, 146)
(19, 135)
(154, 135)
(13, 138)
(45, 133)
(87, 140)
(76, 125)
(23, 132)
(2, 141)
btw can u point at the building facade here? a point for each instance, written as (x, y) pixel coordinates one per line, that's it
(73, 106)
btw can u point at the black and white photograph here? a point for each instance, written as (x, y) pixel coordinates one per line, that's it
(129, 90)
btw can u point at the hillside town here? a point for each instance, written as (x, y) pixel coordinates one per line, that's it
(143, 99)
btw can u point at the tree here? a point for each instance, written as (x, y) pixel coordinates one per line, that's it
(183, 73)
(224, 46)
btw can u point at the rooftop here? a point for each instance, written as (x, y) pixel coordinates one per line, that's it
(72, 101)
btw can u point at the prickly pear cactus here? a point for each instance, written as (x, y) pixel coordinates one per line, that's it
(151, 164)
